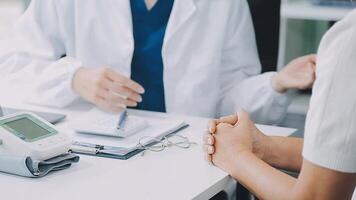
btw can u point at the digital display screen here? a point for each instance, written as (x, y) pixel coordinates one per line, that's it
(26, 127)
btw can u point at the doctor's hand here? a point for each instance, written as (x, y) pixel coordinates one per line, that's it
(298, 74)
(231, 136)
(107, 89)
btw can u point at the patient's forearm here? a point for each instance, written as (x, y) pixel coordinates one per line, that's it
(314, 182)
(285, 153)
(261, 179)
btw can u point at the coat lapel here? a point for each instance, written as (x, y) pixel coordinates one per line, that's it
(124, 17)
(181, 13)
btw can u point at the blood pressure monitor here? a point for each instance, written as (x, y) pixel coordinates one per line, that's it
(26, 134)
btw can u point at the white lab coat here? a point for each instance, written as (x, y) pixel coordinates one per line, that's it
(211, 64)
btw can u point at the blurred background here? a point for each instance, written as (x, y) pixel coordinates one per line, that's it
(284, 29)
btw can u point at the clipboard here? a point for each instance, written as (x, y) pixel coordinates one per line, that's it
(95, 150)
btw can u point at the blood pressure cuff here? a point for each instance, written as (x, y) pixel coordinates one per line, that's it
(27, 167)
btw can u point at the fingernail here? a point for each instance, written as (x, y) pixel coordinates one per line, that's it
(210, 149)
(141, 90)
(210, 141)
(139, 99)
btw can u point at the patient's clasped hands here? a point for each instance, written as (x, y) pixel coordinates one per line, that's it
(232, 137)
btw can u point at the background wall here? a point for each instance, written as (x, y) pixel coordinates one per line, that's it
(304, 37)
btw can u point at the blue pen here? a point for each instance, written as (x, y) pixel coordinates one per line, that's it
(122, 119)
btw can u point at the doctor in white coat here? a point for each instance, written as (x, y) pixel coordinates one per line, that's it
(210, 67)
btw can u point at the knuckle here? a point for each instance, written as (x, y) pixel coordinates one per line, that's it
(221, 126)
(212, 122)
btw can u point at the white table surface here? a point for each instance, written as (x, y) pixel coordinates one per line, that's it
(171, 174)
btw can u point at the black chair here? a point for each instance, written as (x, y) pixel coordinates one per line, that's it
(266, 20)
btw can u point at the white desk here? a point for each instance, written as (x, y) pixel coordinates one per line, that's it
(171, 174)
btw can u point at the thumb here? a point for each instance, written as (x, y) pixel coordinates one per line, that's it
(232, 119)
(312, 66)
(243, 116)
(312, 58)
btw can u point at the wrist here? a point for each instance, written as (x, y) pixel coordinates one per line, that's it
(76, 80)
(267, 146)
(277, 84)
(240, 162)
(272, 151)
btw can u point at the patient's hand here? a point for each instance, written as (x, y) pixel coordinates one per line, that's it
(232, 136)
(298, 74)
(107, 89)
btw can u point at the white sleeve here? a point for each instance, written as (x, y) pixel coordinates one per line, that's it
(36, 57)
(330, 134)
(242, 86)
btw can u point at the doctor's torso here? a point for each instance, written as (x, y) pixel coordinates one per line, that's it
(197, 52)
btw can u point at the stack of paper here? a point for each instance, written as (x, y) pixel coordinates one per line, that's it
(156, 128)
